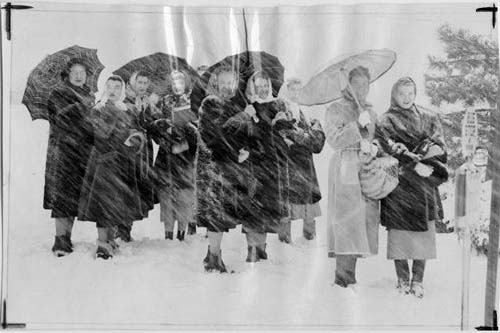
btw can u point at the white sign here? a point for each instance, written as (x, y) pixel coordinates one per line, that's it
(470, 135)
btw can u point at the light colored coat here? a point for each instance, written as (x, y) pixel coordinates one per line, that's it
(353, 220)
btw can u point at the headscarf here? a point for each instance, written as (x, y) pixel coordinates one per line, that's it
(401, 82)
(105, 95)
(252, 95)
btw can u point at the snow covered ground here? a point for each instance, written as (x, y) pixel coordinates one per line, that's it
(157, 282)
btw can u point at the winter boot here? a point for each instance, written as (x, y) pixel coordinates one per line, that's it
(205, 261)
(417, 289)
(191, 229)
(215, 263)
(104, 250)
(114, 245)
(403, 286)
(68, 236)
(62, 246)
(261, 251)
(252, 254)
(169, 235)
(285, 238)
(180, 235)
(123, 233)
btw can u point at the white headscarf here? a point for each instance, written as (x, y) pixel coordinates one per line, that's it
(105, 95)
(250, 90)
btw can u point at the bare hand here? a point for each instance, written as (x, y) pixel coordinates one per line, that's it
(364, 119)
(423, 170)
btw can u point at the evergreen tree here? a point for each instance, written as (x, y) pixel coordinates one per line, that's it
(468, 74)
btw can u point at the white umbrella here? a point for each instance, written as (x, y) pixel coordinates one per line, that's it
(327, 85)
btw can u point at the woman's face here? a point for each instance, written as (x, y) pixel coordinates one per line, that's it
(77, 75)
(179, 85)
(114, 89)
(361, 86)
(405, 96)
(293, 91)
(262, 87)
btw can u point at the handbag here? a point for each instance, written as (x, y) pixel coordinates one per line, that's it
(379, 177)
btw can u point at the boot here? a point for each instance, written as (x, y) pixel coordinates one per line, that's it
(308, 235)
(169, 235)
(285, 238)
(252, 254)
(261, 251)
(114, 245)
(180, 235)
(191, 229)
(68, 236)
(104, 250)
(403, 286)
(205, 261)
(417, 289)
(215, 263)
(123, 233)
(62, 246)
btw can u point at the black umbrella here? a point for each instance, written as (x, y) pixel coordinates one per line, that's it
(158, 66)
(246, 64)
(47, 75)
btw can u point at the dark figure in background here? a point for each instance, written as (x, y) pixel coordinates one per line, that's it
(110, 194)
(70, 143)
(176, 135)
(411, 210)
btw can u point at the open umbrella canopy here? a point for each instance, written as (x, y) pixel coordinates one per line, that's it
(158, 65)
(327, 85)
(246, 64)
(47, 75)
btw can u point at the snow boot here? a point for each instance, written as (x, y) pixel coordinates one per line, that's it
(180, 235)
(215, 263)
(252, 254)
(68, 236)
(123, 233)
(169, 235)
(403, 286)
(191, 229)
(261, 251)
(417, 289)
(104, 250)
(62, 246)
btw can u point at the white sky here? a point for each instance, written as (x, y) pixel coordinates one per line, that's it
(303, 39)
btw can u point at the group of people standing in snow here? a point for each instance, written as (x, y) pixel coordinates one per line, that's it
(253, 165)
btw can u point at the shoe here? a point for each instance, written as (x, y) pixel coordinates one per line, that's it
(114, 245)
(308, 235)
(403, 286)
(124, 234)
(62, 246)
(417, 289)
(285, 238)
(169, 235)
(215, 263)
(444, 228)
(180, 235)
(68, 236)
(252, 254)
(191, 229)
(104, 250)
(261, 252)
(205, 261)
